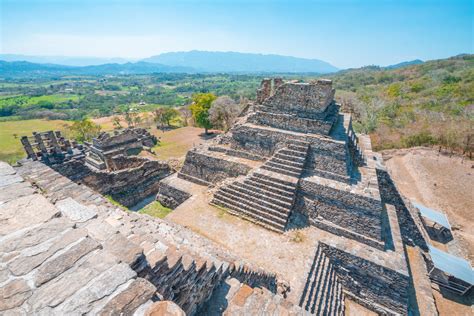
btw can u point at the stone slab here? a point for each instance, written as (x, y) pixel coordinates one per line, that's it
(6, 169)
(9, 179)
(64, 261)
(75, 211)
(35, 256)
(14, 191)
(105, 284)
(14, 294)
(126, 302)
(23, 212)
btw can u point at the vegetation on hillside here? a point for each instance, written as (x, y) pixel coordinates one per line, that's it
(426, 104)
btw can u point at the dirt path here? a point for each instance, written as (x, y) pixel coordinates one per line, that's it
(440, 182)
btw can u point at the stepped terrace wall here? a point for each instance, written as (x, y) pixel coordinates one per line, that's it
(354, 213)
(290, 122)
(202, 165)
(127, 186)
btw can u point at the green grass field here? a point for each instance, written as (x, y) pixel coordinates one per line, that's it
(25, 101)
(11, 132)
(155, 209)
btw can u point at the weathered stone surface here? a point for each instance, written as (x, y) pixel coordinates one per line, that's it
(64, 261)
(101, 230)
(34, 236)
(127, 301)
(15, 191)
(75, 211)
(164, 308)
(125, 250)
(35, 256)
(14, 294)
(104, 285)
(23, 212)
(9, 180)
(56, 291)
(6, 169)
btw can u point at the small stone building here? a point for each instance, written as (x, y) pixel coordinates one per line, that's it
(126, 142)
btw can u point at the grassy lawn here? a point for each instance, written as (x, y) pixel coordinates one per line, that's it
(11, 149)
(155, 209)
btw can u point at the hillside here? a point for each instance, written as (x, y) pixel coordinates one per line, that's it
(423, 104)
(23, 69)
(241, 62)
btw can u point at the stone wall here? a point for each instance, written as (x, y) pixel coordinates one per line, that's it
(265, 142)
(411, 232)
(359, 214)
(211, 169)
(302, 97)
(381, 289)
(290, 122)
(127, 186)
(171, 197)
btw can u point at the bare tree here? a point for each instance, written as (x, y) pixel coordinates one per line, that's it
(185, 114)
(223, 112)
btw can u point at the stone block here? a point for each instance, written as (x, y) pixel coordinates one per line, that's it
(126, 302)
(75, 211)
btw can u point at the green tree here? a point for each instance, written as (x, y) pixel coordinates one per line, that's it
(116, 122)
(85, 130)
(200, 109)
(169, 114)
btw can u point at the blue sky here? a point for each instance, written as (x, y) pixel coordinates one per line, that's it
(342, 32)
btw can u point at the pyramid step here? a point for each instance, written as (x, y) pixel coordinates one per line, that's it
(316, 285)
(283, 166)
(258, 186)
(293, 158)
(265, 205)
(291, 152)
(253, 207)
(290, 163)
(282, 188)
(265, 196)
(326, 290)
(237, 211)
(281, 170)
(300, 148)
(275, 178)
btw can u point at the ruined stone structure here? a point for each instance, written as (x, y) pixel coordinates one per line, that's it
(126, 142)
(291, 162)
(51, 147)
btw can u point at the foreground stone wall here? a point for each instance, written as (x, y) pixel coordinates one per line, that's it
(379, 288)
(211, 169)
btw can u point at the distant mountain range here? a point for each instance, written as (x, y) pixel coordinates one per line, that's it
(178, 62)
(27, 69)
(203, 61)
(65, 60)
(192, 62)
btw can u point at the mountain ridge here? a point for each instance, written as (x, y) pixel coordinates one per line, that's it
(213, 61)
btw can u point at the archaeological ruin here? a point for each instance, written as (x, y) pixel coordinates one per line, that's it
(288, 213)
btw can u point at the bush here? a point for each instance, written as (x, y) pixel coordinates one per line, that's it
(423, 138)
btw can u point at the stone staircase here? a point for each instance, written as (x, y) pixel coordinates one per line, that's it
(323, 293)
(235, 298)
(266, 196)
